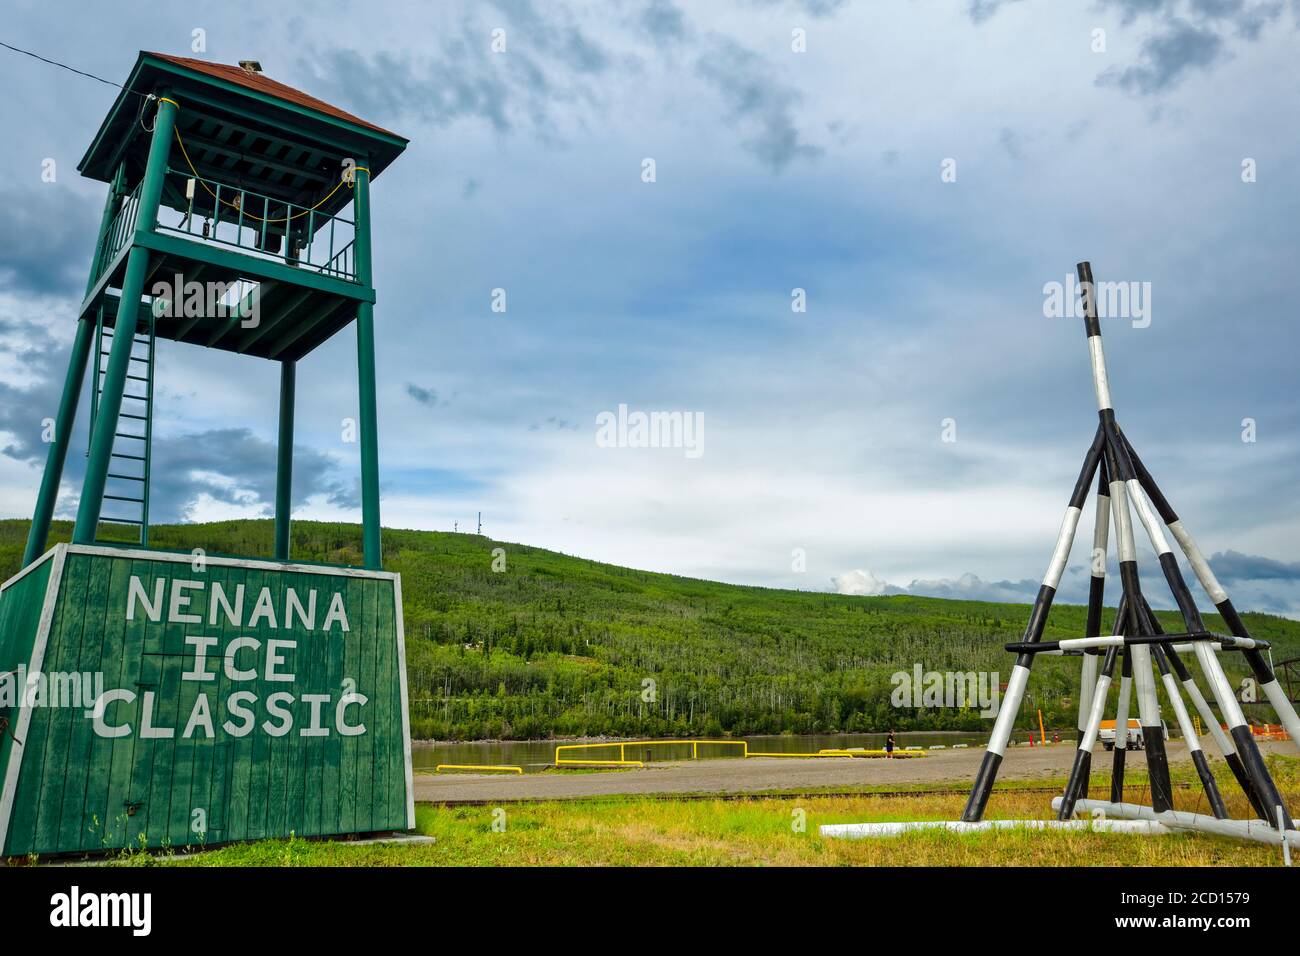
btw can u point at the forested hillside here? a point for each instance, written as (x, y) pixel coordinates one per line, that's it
(559, 646)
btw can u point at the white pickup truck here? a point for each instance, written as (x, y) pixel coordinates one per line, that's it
(1106, 734)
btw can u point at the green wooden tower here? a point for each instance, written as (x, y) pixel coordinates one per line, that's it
(157, 698)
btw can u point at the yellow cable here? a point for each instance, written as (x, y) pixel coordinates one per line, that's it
(245, 212)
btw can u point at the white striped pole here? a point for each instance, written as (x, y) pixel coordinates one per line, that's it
(1015, 692)
(1268, 681)
(1077, 785)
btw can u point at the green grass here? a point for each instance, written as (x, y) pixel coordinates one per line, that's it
(671, 831)
(560, 646)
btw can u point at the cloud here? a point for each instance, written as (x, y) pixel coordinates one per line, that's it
(1168, 56)
(861, 582)
(1261, 584)
(967, 587)
(1012, 142)
(236, 467)
(392, 89)
(424, 396)
(981, 10)
(548, 61)
(814, 8)
(663, 22)
(757, 101)
(1189, 36)
(49, 232)
(1233, 566)
(39, 360)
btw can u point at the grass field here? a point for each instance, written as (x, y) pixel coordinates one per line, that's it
(762, 831)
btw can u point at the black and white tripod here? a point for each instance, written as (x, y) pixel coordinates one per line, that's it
(1125, 485)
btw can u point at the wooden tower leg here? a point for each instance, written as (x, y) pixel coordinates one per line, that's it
(128, 313)
(370, 520)
(284, 461)
(39, 534)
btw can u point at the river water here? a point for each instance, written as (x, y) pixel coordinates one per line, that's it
(535, 755)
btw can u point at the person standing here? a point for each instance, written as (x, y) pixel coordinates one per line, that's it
(889, 745)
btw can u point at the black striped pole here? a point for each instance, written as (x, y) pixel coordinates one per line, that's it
(1268, 681)
(1121, 730)
(1077, 786)
(1011, 700)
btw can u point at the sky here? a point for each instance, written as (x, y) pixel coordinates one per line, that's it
(820, 230)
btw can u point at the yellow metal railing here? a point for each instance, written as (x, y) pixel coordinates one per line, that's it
(622, 746)
(498, 768)
(622, 761)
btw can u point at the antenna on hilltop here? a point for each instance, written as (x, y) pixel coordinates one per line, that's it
(480, 523)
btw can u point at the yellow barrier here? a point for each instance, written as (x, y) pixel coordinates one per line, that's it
(487, 768)
(622, 745)
(820, 753)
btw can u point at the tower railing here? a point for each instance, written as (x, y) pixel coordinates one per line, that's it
(118, 234)
(259, 225)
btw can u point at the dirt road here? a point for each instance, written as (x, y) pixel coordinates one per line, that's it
(938, 767)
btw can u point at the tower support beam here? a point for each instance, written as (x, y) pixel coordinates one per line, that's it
(284, 460)
(369, 425)
(119, 359)
(38, 535)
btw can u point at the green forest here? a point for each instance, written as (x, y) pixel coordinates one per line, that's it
(549, 645)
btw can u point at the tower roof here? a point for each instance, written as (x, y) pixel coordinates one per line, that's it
(220, 94)
(264, 84)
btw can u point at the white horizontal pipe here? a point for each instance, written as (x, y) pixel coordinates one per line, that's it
(1190, 647)
(860, 830)
(1256, 830)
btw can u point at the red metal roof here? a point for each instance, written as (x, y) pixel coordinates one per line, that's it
(264, 84)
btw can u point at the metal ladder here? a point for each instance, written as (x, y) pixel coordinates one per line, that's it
(130, 459)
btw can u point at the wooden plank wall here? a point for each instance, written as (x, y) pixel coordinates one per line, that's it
(82, 792)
